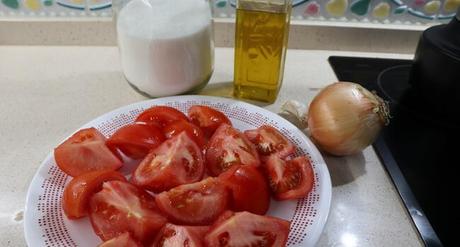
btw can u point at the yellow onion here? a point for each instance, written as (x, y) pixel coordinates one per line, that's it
(344, 118)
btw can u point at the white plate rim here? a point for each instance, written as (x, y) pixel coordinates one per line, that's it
(326, 186)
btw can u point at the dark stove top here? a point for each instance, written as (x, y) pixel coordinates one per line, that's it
(418, 149)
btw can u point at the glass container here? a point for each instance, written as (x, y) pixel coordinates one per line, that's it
(261, 36)
(166, 47)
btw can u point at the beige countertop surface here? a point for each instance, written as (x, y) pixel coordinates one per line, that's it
(47, 92)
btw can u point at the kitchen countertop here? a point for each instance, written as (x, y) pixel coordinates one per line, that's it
(47, 92)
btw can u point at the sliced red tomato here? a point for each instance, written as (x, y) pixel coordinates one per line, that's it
(229, 147)
(192, 131)
(79, 190)
(289, 179)
(176, 161)
(161, 115)
(246, 229)
(135, 140)
(269, 140)
(248, 189)
(195, 204)
(207, 118)
(223, 217)
(180, 236)
(85, 151)
(121, 207)
(123, 240)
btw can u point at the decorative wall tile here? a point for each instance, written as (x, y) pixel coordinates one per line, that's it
(380, 11)
(360, 7)
(55, 8)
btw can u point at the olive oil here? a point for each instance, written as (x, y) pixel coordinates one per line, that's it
(260, 50)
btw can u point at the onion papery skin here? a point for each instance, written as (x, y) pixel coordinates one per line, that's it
(344, 118)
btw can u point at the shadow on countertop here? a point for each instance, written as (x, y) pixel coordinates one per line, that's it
(345, 169)
(225, 89)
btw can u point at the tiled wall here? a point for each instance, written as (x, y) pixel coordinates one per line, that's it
(381, 11)
(55, 8)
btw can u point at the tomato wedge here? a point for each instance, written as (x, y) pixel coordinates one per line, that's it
(79, 190)
(269, 140)
(180, 236)
(207, 118)
(160, 115)
(246, 229)
(85, 151)
(193, 131)
(176, 161)
(229, 147)
(135, 140)
(248, 189)
(195, 204)
(290, 179)
(121, 207)
(123, 240)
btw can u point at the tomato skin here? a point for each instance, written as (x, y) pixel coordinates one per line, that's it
(123, 240)
(161, 115)
(248, 189)
(291, 179)
(78, 191)
(180, 236)
(193, 131)
(194, 204)
(121, 207)
(246, 229)
(135, 140)
(269, 140)
(207, 118)
(85, 151)
(223, 217)
(229, 147)
(176, 161)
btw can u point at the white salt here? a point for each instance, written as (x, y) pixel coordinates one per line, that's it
(165, 45)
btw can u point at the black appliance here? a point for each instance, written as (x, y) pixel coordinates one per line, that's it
(435, 73)
(420, 148)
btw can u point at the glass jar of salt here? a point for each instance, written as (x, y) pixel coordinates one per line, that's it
(166, 46)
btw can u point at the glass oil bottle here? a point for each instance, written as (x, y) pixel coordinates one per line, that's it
(261, 35)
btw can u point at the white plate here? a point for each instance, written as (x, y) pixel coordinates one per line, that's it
(46, 225)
